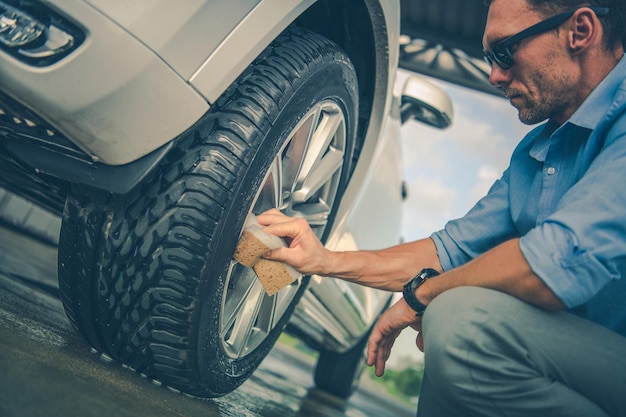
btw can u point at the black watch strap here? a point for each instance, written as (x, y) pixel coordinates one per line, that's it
(408, 291)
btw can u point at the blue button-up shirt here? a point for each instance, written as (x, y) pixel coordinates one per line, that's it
(564, 195)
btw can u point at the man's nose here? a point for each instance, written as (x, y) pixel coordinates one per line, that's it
(498, 76)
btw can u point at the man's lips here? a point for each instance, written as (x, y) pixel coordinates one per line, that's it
(511, 94)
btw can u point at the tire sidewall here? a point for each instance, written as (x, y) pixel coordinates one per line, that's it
(335, 81)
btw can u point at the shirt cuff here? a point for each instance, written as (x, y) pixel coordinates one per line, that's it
(572, 273)
(447, 259)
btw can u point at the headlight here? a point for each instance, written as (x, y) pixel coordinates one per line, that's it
(35, 34)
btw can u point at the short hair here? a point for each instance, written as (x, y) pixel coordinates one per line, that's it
(614, 28)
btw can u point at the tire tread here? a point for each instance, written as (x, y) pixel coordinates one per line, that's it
(145, 250)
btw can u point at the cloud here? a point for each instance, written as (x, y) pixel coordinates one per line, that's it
(421, 147)
(485, 178)
(428, 207)
(449, 170)
(438, 195)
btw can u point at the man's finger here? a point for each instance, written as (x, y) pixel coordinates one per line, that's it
(419, 341)
(284, 226)
(376, 355)
(372, 347)
(272, 216)
(278, 254)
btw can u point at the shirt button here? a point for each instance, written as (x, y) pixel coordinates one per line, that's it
(551, 171)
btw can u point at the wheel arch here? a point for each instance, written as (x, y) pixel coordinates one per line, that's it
(361, 28)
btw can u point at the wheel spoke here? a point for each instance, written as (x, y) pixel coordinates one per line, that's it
(330, 125)
(315, 214)
(319, 175)
(296, 149)
(267, 314)
(240, 279)
(302, 181)
(271, 194)
(243, 325)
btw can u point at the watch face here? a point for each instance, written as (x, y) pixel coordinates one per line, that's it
(409, 290)
(427, 273)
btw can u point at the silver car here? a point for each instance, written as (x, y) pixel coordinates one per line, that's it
(156, 128)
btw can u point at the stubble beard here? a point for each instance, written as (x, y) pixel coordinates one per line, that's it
(546, 98)
(534, 111)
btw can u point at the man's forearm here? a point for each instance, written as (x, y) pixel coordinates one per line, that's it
(387, 269)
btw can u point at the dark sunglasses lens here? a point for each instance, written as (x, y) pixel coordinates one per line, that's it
(502, 57)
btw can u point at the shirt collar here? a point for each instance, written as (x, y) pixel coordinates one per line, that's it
(595, 106)
(588, 115)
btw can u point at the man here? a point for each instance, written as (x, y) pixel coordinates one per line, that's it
(528, 314)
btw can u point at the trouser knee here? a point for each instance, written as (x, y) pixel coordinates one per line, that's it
(455, 316)
(456, 326)
(487, 353)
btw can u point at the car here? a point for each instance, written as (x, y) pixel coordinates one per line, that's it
(156, 129)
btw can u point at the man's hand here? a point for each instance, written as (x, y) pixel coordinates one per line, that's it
(389, 326)
(305, 252)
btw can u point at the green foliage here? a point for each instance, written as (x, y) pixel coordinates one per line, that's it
(409, 381)
(405, 382)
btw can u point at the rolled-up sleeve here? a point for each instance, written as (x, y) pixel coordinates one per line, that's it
(581, 246)
(571, 269)
(486, 225)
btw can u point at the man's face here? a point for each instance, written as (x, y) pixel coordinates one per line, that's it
(537, 82)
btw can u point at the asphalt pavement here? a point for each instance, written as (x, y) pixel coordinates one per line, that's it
(47, 370)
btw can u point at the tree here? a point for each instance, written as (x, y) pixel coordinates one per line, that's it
(409, 380)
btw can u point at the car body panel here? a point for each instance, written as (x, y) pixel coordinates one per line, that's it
(172, 29)
(240, 48)
(117, 102)
(130, 88)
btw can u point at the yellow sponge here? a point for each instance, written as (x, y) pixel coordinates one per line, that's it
(274, 275)
(254, 242)
(250, 249)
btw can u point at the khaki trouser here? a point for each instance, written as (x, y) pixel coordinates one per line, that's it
(489, 354)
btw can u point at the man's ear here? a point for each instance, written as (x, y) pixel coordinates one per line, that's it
(585, 29)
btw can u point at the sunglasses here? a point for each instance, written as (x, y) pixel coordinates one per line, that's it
(501, 52)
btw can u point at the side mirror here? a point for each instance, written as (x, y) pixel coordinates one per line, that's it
(426, 103)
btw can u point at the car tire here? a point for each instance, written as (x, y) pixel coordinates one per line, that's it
(339, 374)
(148, 277)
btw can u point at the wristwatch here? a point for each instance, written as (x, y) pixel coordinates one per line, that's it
(409, 290)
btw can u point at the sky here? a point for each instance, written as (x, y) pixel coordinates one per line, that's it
(451, 169)
(448, 171)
